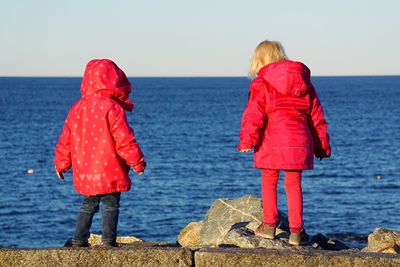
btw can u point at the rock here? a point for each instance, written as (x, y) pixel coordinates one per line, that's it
(123, 240)
(328, 244)
(242, 235)
(190, 235)
(232, 222)
(226, 212)
(95, 240)
(383, 240)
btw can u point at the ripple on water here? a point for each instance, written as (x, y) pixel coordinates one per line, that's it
(188, 130)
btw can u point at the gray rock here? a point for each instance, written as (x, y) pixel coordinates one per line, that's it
(224, 213)
(242, 235)
(232, 222)
(383, 240)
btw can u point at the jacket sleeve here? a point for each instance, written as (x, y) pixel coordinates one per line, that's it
(319, 127)
(125, 141)
(253, 116)
(62, 159)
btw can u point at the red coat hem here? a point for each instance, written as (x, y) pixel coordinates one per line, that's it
(104, 192)
(262, 165)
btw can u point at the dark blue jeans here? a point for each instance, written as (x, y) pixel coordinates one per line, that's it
(90, 205)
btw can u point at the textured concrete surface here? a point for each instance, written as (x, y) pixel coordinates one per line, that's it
(125, 256)
(149, 254)
(271, 257)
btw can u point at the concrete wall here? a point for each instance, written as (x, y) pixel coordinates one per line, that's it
(140, 256)
(175, 256)
(269, 257)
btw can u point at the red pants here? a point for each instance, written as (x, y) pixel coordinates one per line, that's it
(294, 197)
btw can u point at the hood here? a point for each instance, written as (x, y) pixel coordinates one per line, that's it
(287, 77)
(103, 77)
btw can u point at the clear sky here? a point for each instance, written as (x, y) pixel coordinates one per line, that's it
(197, 38)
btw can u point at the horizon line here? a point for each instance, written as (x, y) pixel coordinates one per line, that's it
(201, 76)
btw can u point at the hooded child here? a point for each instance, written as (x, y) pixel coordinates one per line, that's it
(285, 125)
(100, 147)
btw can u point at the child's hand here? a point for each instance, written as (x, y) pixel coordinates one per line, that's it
(242, 148)
(141, 170)
(322, 156)
(60, 175)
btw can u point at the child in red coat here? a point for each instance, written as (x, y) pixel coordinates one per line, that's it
(99, 145)
(284, 123)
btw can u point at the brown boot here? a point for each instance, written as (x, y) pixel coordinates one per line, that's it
(265, 231)
(296, 239)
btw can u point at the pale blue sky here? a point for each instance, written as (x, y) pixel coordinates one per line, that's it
(197, 38)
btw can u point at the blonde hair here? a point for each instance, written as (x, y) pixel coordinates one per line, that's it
(265, 53)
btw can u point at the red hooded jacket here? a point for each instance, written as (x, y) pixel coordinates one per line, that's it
(97, 140)
(283, 119)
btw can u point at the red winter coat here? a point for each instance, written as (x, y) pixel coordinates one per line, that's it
(97, 140)
(283, 119)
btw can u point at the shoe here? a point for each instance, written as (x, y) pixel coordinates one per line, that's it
(110, 244)
(297, 239)
(80, 245)
(265, 231)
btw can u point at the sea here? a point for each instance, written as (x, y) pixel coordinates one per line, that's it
(188, 129)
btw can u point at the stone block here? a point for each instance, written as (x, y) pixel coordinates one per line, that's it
(237, 257)
(126, 256)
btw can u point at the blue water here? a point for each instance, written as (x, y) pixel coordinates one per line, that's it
(188, 129)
